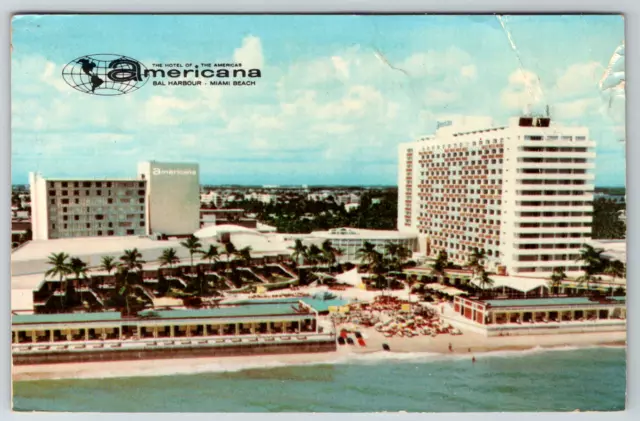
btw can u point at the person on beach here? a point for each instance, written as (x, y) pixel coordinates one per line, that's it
(473, 360)
(450, 347)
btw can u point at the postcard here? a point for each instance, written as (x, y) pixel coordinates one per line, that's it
(318, 213)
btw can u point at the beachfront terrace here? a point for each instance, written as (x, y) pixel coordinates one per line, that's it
(228, 321)
(542, 315)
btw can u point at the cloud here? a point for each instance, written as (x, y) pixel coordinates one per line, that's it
(469, 71)
(579, 79)
(524, 92)
(250, 53)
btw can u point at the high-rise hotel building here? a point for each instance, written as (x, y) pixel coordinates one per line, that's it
(162, 199)
(522, 193)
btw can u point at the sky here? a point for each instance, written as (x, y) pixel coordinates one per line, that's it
(336, 97)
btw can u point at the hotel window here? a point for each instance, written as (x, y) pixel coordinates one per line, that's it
(53, 201)
(99, 232)
(65, 193)
(65, 226)
(110, 232)
(86, 184)
(88, 225)
(64, 184)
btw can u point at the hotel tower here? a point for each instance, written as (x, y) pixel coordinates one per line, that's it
(523, 193)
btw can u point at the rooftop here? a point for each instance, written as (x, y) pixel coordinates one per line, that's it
(535, 302)
(272, 309)
(65, 317)
(365, 234)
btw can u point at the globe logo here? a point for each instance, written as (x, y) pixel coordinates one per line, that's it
(105, 74)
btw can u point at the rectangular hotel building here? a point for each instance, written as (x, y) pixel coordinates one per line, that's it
(523, 193)
(162, 199)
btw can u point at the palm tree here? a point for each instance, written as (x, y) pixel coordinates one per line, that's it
(438, 267)
(211, 254)
(244, 254)
(193, 245)
(592, 258)
(483, 279)
(229, 250)
(59, 267)
(108, 264)
(586, 278)
(615, 269)
(367, 253)
(79, 270)
(329, 252)
(314, 255)
(131, 261)
(556, 278)
(403, 254)
(476, 260)
(299, 250)
(169, 257)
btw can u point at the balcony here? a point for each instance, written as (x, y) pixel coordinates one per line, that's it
(552, 230)
(549, 219)
(551, 207)
(558, 165)
(572, 187)
(568, 240)
(554, 176)
(558, 154)
(557, 198)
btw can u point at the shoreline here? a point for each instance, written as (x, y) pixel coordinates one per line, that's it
(468, 345)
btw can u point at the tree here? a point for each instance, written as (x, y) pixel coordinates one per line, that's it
(593, 262)
(212, 254)
(586, 278)
(131, 262)
(244, 254)
(592, 259)
(556, 278)
(314, 255)
(438, 267)
(59, 267)
(606, 220)
(483, 279)
(79, 270)
(367, 253)
(229, 250)
(108, 264)
(193, 245)
(169, 257)
(299, 250)
(329, 252)
(615, 269)
(476, 260)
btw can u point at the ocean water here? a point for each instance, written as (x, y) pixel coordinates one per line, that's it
(587, 379)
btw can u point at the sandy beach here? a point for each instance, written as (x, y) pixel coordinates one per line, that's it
(468, 344)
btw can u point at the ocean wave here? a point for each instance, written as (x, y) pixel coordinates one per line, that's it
(155, 368)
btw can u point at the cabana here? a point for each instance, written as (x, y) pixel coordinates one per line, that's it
(513, 286)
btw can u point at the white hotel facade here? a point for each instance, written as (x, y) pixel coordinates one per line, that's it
(162, 199)
(523, 193)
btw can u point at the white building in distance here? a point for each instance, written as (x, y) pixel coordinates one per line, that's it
(523, 193)
(163, 199)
